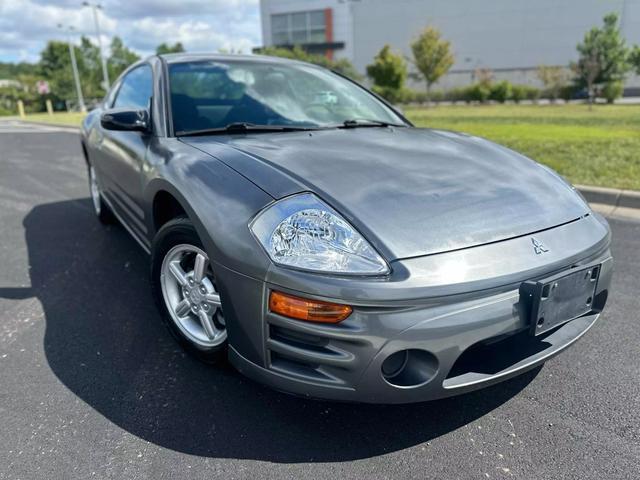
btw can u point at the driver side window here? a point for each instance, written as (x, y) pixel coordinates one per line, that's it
(136, 88)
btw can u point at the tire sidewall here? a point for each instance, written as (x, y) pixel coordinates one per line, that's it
(176, 232)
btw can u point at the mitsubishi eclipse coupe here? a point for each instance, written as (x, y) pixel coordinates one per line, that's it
(301, 227)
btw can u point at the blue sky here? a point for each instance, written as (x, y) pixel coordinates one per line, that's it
(201, 25)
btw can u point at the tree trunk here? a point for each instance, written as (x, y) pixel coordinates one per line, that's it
(428, 94)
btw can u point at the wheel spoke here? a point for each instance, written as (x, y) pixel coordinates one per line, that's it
(178, 273)
(183, 308)
(207, 324)
(190, 295)
(198, 267)
(213, 299)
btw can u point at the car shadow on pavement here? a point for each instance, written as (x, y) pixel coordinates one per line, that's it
(105, 342)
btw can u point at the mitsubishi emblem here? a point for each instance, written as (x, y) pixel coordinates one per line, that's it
(538, 246)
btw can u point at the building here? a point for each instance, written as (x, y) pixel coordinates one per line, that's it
(510, 37)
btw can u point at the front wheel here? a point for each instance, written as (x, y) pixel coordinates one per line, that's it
(186, 292)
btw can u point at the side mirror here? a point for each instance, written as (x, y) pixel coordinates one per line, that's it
(125, 119)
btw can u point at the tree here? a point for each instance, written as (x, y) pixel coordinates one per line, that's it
(13, 70)
(121, 57)
(634, 59)
(342, 66)
(604, 57)
(55, 66)
(388, 72)
(166, 48)
(432, 56)
(553, 79)
(90, 69)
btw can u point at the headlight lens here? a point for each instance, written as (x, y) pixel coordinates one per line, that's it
(303, 232)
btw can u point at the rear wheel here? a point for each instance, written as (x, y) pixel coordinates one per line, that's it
(186, 292)
(101, 209)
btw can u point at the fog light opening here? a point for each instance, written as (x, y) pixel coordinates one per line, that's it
(394, 364)
(409, 368)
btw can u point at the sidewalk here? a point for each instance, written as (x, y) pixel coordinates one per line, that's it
(612, 202)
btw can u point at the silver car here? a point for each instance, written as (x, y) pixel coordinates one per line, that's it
(301, 227)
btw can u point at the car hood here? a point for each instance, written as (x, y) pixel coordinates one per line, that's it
(410, 191)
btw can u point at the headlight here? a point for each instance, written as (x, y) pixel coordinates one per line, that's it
(303, 232)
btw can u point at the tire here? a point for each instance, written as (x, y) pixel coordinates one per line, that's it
(197, 325)
(100, 208)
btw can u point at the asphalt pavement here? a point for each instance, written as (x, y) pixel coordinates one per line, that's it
(92, 386)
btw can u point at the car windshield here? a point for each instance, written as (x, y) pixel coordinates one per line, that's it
(215, 94)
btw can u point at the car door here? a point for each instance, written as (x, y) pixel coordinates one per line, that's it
(123, 152)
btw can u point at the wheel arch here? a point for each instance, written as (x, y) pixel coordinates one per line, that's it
(165, 207)
(165, 202)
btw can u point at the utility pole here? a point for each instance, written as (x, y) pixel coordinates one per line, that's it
(105, 74)
(74, 67)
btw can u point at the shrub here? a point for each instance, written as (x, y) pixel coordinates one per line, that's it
(612, 91)
(477, 93)
(531, 93)
(418, 96)
(500, 92)
(408, 95)
(518, 93)
(554, 78)
(567, 92)
(412, 96)
(436, 96)
(388, 72)
(456, 94)
(390, 94)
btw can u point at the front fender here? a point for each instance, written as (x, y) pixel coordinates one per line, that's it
(219, 201)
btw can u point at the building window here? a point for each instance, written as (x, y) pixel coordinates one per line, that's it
(298, 28)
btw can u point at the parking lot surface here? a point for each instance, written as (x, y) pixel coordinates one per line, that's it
(92, 385)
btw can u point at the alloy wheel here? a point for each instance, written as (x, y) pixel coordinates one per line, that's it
(191, 297)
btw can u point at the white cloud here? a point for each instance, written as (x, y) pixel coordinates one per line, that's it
(201, 25)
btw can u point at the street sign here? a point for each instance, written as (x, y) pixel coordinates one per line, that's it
(43, 87)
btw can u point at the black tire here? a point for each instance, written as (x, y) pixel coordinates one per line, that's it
(176, 232)
(101, 209)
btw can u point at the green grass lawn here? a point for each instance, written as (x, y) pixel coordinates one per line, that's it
(58, 118)
(597, 147)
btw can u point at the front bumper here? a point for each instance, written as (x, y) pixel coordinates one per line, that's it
(464, 326)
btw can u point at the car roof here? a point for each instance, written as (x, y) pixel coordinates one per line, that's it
(199, 57)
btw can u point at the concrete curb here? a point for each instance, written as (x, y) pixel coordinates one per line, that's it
(611, 196)
(607, 199)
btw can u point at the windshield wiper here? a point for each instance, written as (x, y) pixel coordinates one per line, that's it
(360, 123)
(242, 127)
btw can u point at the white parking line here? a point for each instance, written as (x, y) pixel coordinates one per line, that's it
(16, 126)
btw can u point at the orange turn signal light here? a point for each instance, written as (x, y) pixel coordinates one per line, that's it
(306, 309)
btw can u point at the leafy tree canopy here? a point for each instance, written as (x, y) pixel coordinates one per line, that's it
(388, 70)
(166, 48)
(432, 56)
(634, 59)
(603, 56)
(121, 57)
(13, 70)
(342, 66)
